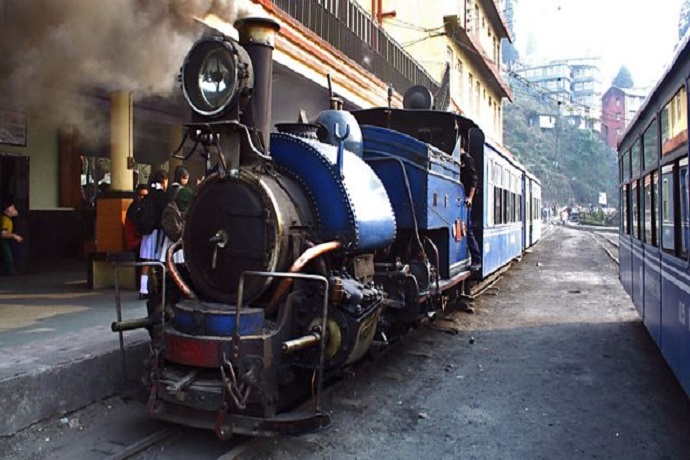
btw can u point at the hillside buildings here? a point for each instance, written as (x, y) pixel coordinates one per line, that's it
(574, 85)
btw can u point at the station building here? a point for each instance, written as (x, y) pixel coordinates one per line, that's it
(75, 140)
(90, 106)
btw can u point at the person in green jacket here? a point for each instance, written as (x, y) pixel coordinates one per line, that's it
(183, 196)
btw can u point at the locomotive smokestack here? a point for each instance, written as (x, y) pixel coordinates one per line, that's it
(257, 36)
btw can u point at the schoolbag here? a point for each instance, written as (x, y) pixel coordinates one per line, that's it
(145, 215)
(172, 219)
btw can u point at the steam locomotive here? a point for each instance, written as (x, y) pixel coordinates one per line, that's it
(309, 247)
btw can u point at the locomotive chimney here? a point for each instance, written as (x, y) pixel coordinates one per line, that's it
(257, 36)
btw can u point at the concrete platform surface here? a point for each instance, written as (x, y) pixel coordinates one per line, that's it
(57, 352)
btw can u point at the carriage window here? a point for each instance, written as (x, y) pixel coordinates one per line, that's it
(674, 123)
(650, 140)
(498, 208)
(498, 194)
(648, 214)
(626, 166)
(635, 210)
(625, 211)
(635, 154)
(498, 172)
(506, 206)
(655, 208)
(515, 207)
(667, 231)
(684, 214)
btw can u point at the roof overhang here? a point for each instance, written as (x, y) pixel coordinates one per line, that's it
(496, 17)
(487, 67)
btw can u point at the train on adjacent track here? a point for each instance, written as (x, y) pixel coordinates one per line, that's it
(655, 214)
(307, 248)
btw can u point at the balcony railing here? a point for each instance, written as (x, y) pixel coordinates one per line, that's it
(350, 29)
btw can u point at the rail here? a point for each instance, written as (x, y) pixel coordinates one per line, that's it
(350, 29)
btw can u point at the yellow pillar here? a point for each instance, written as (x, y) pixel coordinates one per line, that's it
(121, 141)
(112, 206)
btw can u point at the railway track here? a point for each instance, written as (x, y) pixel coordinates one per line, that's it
(608, 242)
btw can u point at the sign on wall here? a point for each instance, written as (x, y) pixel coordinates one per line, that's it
(13, 128)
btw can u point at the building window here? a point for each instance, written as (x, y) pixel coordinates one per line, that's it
(618, 102)
(478, 97)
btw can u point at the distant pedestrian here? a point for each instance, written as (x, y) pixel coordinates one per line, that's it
(11, 244)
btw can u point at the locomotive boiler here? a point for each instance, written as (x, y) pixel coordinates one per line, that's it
(304, 248)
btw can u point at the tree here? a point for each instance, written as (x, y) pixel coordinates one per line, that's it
(623, 78)
(573, 164)
(684, 19)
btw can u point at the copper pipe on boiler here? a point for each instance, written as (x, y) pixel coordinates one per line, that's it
(297, 266)
(174, 273)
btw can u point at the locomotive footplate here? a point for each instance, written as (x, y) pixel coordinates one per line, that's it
(225, 424)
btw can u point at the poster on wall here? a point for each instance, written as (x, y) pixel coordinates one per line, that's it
(12, 128)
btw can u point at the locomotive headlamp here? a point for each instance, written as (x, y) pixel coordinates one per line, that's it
(216, 75)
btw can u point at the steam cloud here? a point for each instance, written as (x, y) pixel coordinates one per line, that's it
(51, 49)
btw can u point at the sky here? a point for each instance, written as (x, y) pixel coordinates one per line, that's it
(638, 34)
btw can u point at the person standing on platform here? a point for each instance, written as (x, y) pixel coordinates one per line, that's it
(132, 236)
(152, 243)
(182, 195)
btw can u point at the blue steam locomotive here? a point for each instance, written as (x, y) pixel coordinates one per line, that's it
(308, 247)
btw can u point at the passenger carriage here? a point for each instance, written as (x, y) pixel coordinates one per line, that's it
(654, 237)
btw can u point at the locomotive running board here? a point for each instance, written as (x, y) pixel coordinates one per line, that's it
(288, 424)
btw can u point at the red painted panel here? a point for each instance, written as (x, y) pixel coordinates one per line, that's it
(193, 351)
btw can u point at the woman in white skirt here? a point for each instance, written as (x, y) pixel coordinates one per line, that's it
(152, 244)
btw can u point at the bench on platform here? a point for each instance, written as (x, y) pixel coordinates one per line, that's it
(100, 270)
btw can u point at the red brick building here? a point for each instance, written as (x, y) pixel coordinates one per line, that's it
(618, 107)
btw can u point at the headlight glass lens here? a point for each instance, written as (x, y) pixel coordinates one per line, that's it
(210, 76)
(216, 77)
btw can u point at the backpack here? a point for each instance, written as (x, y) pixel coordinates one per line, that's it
(132, 237)
(172, 219)
(145, 215)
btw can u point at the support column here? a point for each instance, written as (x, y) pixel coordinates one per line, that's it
(112, 206)
(121, 141)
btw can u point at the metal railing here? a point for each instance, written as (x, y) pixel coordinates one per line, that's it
(350, 29)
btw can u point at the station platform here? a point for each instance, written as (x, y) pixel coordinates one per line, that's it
(57, 351)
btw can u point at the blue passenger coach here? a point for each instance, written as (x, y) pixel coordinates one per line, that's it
(653, 177)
